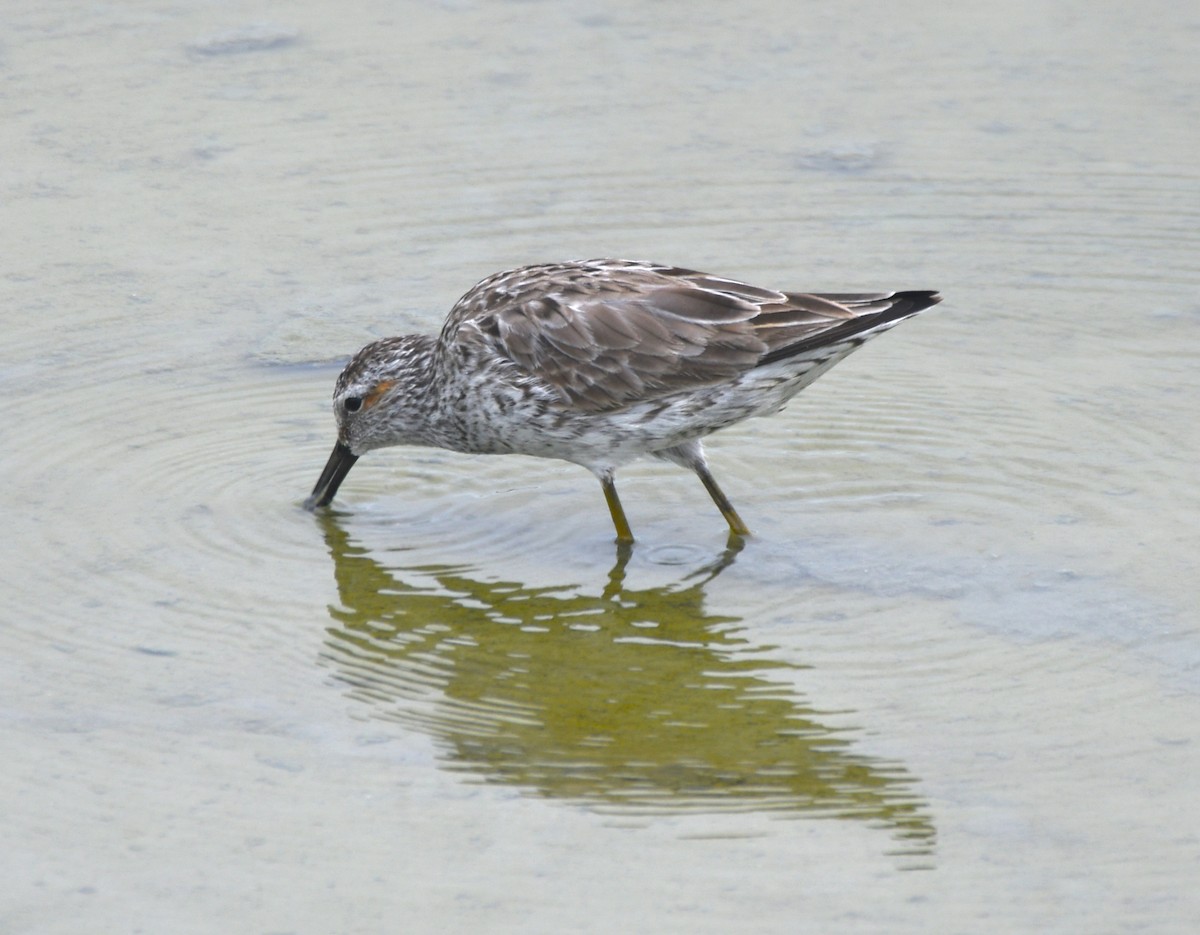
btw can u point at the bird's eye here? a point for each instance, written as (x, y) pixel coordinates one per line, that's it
(353, 403)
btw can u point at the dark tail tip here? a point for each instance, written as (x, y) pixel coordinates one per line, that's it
(917, 300)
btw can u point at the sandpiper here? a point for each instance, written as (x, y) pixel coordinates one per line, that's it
(599, 362)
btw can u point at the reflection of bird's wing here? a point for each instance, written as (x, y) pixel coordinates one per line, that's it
(606, 333)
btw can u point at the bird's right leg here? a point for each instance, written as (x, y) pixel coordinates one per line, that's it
(624, 533)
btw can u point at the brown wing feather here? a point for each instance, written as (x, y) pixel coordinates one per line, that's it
(607, 333)
(604, 351)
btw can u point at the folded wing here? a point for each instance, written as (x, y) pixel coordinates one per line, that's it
(634, 332)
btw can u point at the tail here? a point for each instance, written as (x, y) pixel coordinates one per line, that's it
(862, 316)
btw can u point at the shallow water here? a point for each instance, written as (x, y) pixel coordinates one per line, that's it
(950, 684)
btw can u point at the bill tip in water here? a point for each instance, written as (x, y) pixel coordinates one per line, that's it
(336, 469)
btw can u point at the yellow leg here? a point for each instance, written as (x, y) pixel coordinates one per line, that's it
(736, 526)
(624, 534)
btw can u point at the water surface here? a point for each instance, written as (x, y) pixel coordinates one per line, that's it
(950, 684)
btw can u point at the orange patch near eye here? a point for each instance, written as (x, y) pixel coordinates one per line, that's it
(377, 393)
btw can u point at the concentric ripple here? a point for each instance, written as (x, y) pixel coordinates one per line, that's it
(152, 498)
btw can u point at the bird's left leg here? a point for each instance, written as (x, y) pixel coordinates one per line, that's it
(691, 455)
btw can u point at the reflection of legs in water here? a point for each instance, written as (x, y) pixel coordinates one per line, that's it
(733, 545)
(616, 575)
(706, 573)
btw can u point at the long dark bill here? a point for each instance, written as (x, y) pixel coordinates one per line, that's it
(336, 469)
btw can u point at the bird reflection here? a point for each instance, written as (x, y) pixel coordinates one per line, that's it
(630, 700)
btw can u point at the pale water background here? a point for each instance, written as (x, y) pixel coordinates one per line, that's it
(951, 685)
